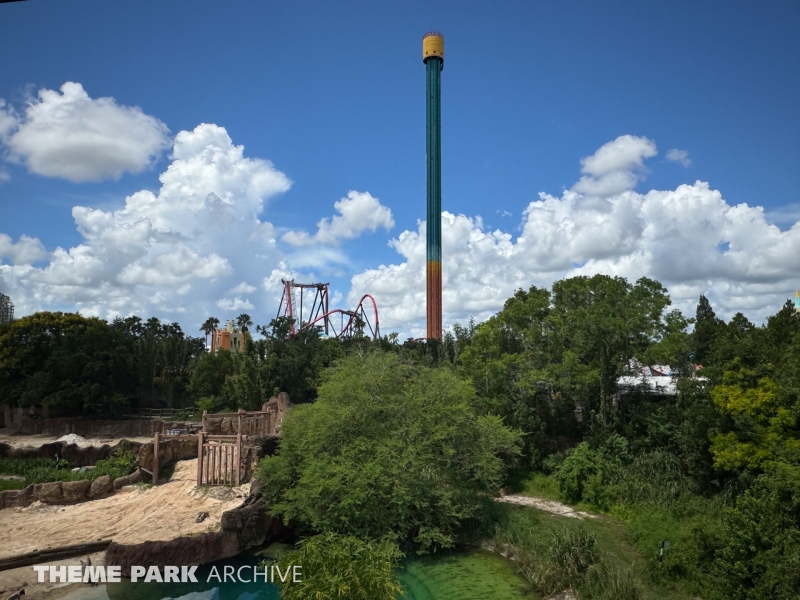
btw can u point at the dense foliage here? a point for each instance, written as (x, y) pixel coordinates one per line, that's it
(554, 559)
(78, 365)
(712, 469)
(337, 566)
(389, 449)
(274, 363)
(73, 364)
(408, 442)
(547, 353)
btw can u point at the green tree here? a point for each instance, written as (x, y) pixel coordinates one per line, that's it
(763, 429)
(388, 449)
(244, 322)
(336, 566)
(208, 327)
(207, 381)
(64, 361)
(759, 558)
(599, 324)
(545, 353)
(293, 364)
(707, 326)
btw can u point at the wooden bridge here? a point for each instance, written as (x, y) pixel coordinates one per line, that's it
(219, 454)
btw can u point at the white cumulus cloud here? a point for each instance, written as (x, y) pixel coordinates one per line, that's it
(615, 167)
(68, 134)
(26, 251)
(689, 238)
(679, 156)
(201, 226)
(236, 304)
(359, 212)
(243, 288)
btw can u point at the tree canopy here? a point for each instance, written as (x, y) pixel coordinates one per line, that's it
(389, 448)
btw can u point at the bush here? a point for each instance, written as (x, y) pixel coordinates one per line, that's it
(759, 553)
(557, 563)
(336, 566)
(551, 559)
(655, 478)
(578, 467)
(388, 449)
(119, 464)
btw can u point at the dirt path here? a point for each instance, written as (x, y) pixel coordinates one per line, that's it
(134, 515)
(551, 506)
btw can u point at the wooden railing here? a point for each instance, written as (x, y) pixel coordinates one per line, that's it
(219, 457)
(164, 413)
(254, 423)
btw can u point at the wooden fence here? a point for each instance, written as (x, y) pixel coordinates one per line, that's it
(189, 413)
(254, 423)
(219, 457)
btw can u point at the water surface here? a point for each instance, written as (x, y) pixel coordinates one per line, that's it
(471, 575)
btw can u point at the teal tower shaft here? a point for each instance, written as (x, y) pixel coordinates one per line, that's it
(433, 56)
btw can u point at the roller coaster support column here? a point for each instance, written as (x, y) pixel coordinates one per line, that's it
(433, 57)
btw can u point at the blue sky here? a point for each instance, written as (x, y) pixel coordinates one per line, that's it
(333, 95)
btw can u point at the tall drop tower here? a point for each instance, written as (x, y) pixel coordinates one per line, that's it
(433, 57)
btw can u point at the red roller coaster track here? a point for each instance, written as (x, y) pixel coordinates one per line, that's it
(337, 323)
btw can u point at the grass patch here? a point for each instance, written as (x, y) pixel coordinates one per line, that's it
(11, 484)
(691, 526)
(617, 568)
(43, 470)
(630, 534)
(540, 485)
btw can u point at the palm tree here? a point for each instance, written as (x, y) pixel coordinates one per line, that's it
(244, 322)
(210, 326)
(207, 327)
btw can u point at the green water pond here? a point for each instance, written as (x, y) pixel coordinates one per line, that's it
(469, 575)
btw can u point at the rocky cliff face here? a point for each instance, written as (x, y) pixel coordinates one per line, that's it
(75, 455)
(253, 450)
(67, 492)
(168, 451)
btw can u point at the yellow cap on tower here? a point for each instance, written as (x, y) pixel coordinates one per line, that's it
(432, 45)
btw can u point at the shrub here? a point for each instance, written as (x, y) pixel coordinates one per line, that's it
(759, 554)
(552, 562)
(336, 566)
(119, 464)
(388, 449)
(573, 474)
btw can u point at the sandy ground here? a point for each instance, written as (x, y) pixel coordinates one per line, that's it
(17, 441)
(133, 515)
(25, 577)
(551, 506)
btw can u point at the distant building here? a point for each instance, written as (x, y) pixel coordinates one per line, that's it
(231, 338)
(656, 379)
(796, 302)
(659, 380)
(6, 309)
